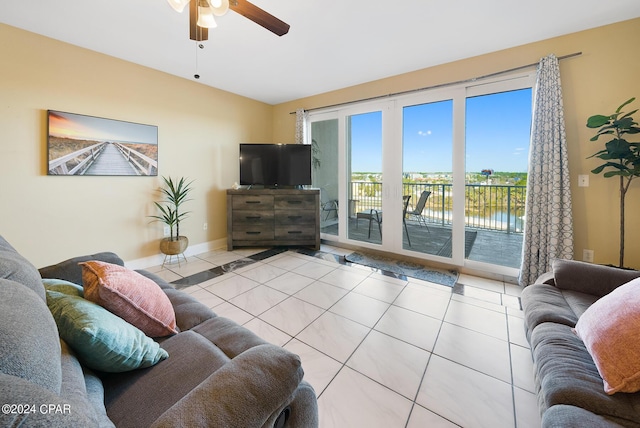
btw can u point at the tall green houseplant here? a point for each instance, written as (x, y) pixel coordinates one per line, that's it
(175, 192)
(622, 158)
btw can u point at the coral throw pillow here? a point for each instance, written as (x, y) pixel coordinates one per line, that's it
(610, 329)
(130, 295)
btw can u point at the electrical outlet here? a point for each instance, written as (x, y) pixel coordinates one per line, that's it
(587, 256)
(167, 231)
(205, 226)
(583, 180)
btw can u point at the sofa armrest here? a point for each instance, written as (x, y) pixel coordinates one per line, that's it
(71, 271)
(590, 278)
(251, 390)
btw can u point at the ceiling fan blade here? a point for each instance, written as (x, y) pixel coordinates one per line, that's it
(259, 16)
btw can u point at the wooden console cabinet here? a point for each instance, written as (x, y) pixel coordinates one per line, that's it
(273, 217)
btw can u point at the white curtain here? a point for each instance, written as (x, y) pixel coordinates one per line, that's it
(301, 118)
(548, 231)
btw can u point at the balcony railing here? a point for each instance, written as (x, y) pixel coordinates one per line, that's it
(487, 206)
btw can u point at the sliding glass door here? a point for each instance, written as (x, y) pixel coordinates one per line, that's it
(364, 185)
(438, 175)
(427, 177)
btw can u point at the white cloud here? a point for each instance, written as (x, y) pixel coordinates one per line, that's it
(423, 133)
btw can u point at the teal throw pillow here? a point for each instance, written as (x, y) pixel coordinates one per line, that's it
(62, 286)
(102, 341)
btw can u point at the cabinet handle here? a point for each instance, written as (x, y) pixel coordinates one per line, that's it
(252, 202)
(294, 232)
(253, 217)
(294, 202)
(253, 233)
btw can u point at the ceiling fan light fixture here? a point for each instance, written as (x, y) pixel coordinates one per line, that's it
(178, 5)
(205, 17)
(219, 7)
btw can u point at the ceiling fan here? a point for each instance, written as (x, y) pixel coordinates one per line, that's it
(202, 12)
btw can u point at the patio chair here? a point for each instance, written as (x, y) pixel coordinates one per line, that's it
(371, 215)
(417, 211)
(406, 199)
(329, 207)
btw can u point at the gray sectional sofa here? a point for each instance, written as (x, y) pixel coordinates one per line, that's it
(569, 386)
(217, 373)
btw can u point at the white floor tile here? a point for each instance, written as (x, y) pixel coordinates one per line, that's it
(353, 400)
(344, 278)
(334, 335)
(207, 298)
(292, 315)
(258, 299)
(522, 366)
(478, 319)
(465, 396)
(289, 282)
(478, 351)
(517, 334)
(423, 418)
(380, 289)
(314, 269)
(424, 300)
(287, 262)
(414, 328)
(391, 362)
(362, 309)
(527, 414)
(232, 286)
(262, 273)
(321, 294)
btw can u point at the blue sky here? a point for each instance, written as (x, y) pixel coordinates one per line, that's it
(497, 135)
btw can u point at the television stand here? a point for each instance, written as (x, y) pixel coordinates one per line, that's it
(273, 217)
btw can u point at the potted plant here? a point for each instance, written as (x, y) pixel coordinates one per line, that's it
(175, 193)
(622, 158)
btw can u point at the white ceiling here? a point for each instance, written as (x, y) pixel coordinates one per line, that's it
(332, 44)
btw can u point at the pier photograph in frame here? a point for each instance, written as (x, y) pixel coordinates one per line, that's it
(85, 145)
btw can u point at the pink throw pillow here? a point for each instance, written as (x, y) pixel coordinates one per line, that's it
(129, 295)
(610, 329)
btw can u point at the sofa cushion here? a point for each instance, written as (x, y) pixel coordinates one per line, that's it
(47, 409)
(545, 303)
(70, 269)
(102, 340)
(133, 297)
(29, 343)
(16, 268)
(610, 329)
(139, 398)
(249, 391)
(563, 416)
(590, 278)
(229, 336)
(566, 374)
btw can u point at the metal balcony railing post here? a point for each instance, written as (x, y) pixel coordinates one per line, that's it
(509, 209)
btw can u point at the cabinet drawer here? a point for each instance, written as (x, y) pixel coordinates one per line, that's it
(252, 202)
(242, 218)
(252, 233)
(295, 217)
(295, 232)
(287, 202)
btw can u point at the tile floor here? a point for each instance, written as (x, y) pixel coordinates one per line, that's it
(379, 351)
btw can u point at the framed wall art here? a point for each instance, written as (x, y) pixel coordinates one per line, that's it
(87, 145)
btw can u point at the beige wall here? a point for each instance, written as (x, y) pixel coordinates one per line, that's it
(597, 82)
(50, 218)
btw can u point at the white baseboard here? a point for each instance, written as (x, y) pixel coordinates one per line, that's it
(192, 250)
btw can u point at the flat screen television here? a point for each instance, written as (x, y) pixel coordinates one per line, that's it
(274, 165)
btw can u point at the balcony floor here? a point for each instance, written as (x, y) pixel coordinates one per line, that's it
(489, 246)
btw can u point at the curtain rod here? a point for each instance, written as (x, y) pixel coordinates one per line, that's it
(473, 79)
